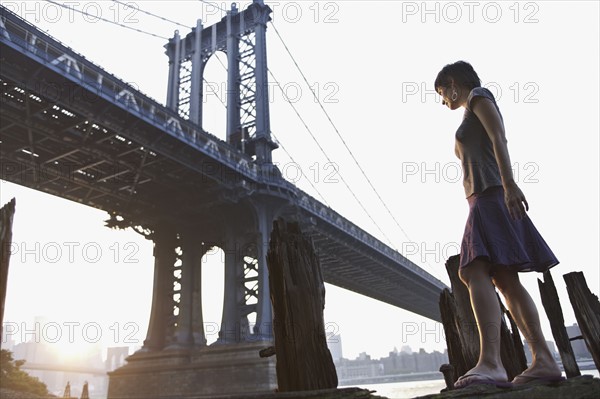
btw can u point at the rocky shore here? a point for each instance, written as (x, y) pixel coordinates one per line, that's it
(584, 387)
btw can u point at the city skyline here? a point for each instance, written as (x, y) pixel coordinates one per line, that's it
(403, 364)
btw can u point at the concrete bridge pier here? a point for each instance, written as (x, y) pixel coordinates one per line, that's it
(189, 329)
(175, 359)
(207, 371)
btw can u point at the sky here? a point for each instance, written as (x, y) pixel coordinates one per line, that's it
(372, 66)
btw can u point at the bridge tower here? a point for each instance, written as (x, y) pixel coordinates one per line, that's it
(175, 357)
(242, 36)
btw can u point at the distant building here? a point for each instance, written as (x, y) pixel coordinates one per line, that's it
(34, 352)
(397, 363)
(7, 343)
(44, 360)
(580, 349)
(407, 361)
(334, 343)
(56, 372)
(363, 367)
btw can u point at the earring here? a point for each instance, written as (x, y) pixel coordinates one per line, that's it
(454, 95)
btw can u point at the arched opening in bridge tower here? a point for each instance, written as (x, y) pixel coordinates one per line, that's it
(251, 287)
(214, 95)
(177, 282)
(213, 287)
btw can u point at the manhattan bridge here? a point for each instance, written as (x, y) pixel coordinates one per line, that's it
(72, 129)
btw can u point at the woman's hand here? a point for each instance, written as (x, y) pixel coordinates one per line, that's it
(515, 200)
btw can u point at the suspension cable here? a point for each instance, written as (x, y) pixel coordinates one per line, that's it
(339, 135)
(329, 160)
(136, 7)
(107, 20)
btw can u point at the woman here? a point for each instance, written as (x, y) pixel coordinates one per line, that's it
(499, 239)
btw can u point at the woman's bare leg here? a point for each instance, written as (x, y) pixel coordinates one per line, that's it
(524, 312)
(486, 308)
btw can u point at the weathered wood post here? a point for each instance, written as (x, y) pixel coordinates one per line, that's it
(464, 318)
(462, 336)
(587, 312)
(85, 394)
(298, 298)
(551, 304)
(511, 346)
(6, 218)
(459, 362)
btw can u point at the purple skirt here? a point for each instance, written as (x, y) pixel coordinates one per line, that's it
(492, 234)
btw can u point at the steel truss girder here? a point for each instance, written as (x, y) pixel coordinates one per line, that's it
(348, 277)
(90, 148)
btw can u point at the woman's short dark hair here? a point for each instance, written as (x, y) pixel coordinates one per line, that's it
(461, 72)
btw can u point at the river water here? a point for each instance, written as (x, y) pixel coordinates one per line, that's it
(406, 389)
(411, 389)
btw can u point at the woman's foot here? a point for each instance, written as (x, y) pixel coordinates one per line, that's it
(539, 371)
(531, 379)
(482, 374)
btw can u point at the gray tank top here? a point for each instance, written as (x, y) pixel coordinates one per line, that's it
(475, 149)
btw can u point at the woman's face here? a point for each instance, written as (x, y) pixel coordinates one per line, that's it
(447, 93)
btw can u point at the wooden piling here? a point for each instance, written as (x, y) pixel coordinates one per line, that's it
(6, 219)
(587, 312)
(551, 304)
(521, 359)
(458, 362)
(298, 296)
(464, 319)
(462, 335)
(511, 346)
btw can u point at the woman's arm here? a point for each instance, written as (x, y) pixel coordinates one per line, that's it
(486, 111)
